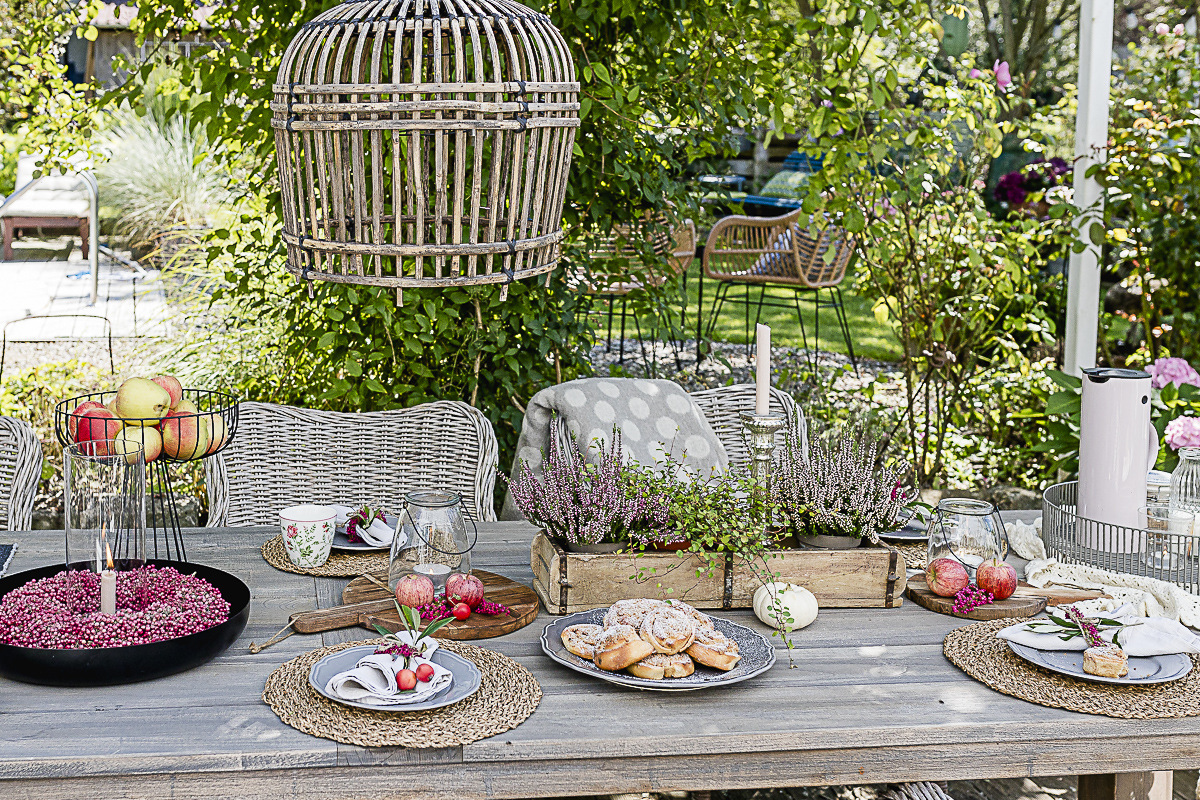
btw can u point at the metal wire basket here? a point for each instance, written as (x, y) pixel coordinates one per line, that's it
(216, 415)
(1168, 556)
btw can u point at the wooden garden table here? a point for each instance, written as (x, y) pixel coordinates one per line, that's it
(872, 700)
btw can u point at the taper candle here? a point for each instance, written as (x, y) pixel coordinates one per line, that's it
(762, 384)
(108, 586)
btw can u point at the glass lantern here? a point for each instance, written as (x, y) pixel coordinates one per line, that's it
(104, 505)
(1185, 481)
(433, 538)
(969, 531)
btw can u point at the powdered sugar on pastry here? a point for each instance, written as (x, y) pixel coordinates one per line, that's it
(670, 630)
(630, 612)
(581, 640)
(702, 620)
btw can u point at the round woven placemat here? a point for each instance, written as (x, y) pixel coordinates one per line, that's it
(507, 696)
(976, 651)
(339, 565)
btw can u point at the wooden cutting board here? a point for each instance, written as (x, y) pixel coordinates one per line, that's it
(376, 607)
(1025, 602)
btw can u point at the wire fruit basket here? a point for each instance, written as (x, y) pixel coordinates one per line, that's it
(1169, 556)
(179, 437)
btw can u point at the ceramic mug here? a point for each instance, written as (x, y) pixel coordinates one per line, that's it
(307, 534)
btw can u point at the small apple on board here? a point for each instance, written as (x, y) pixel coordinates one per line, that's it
(996, 577)
(153, 413)
(946, 577)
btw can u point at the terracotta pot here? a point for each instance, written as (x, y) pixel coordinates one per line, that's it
(670, 548)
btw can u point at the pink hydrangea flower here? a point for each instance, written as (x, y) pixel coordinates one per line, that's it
(1172, 370)
(1183, 432)
(1003, 76)
(1162, 29)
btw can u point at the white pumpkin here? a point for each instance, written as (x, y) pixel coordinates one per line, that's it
(795, 601)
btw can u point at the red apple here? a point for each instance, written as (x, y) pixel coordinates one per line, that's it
(424, 673)
(73, 417)
(406, 679)
(414, 591)
(173, 387)
(464, 589)
(946, 577)
(100, 426)
(996, 577)
(184, 436)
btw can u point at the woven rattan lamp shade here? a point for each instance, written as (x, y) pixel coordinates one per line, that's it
(425, 143)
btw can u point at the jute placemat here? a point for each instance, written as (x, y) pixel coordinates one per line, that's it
(976, 651)
(339, 565)
(507, 696)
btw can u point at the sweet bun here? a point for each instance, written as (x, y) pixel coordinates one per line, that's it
(619, 646)
(702, 620)
(1106, 661)
(659, 665)
(580, 640)
(670, 630)
(630, 612)
(714, 649)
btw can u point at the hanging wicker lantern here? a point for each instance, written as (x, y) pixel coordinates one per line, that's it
(425, 143)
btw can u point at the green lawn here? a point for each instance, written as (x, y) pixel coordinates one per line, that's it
(870, 339)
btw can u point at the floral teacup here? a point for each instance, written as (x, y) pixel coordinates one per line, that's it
(307, 534)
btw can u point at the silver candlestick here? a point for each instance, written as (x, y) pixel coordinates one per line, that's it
(759, 431)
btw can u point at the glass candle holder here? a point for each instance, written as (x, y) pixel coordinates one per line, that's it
(1168, 535)
(432, 540)
(969, 531)
(104, 505)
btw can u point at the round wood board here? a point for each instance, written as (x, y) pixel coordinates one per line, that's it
(497, 588)
(1015, 606)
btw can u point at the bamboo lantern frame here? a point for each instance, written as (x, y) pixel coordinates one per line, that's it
(425, 143)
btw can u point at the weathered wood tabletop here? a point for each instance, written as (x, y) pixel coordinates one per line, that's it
(872, 700)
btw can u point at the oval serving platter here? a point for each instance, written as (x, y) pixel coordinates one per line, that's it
(758, 655)
(466, 681)
(1142, 670)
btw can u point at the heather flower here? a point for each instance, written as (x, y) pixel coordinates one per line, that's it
(1003, 76)
(1089, 631)
(1173, 370)
(971, 597)
(1183, 432)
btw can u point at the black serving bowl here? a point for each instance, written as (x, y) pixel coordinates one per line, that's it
(108, 666)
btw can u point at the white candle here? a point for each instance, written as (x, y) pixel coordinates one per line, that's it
(762, 384)
(108, 592)
(435, 572)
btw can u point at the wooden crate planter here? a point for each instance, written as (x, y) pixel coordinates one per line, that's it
(867, 577)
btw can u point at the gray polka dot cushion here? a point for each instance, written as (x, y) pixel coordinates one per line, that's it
(655, 417)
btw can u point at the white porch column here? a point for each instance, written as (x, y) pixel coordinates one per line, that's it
(1091, 137)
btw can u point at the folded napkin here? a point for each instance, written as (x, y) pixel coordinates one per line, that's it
(1142, 636)
(1156, 598)
(373, 681)
(380, 534)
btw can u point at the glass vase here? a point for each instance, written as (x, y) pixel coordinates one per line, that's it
(969, 531)
(104, 505)
(432, 540)
(1185, 482)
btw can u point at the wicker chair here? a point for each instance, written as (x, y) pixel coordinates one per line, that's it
(723, 407)
(676, 242)
(282, 456)
(777, 252)
(20, 468)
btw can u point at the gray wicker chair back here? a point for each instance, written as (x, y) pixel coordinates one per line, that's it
(723, 408)
(284, 456)
(20, 468)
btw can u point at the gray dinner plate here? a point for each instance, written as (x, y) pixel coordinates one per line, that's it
(342, 542)
(914, 530)
(465, 682)
(757, 656)
(1142, 670)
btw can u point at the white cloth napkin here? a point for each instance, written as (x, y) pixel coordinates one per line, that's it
(373, 681)
(380, 534)
(1144, 636)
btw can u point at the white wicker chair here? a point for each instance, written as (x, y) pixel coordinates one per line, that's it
(20, 468)
(282, 456)
(723, 408)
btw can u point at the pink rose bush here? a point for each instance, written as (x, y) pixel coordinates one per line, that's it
(1173, 370)
(1183, 432)
(1003, 75)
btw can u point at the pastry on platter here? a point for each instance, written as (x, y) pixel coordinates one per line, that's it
(630, 612)
(580, 640)
(702, 620)
(619, 646)
(714, 649)
(670, 630)
(1106, 661)
(657, 666)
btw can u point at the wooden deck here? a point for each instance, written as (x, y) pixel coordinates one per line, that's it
(872, 700)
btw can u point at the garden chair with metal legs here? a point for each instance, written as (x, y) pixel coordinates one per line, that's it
(777, 252)
(676, 242)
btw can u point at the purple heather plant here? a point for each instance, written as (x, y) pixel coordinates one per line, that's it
(1089, 631)
(583, 503)
(971, 597)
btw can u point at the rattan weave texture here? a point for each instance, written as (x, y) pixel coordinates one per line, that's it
(284, 456)
(339, 565)
(20, 468)
(976, 651)
(507, 696)
(723, 407)
(776, 250)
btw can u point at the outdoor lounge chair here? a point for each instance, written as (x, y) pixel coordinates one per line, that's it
(777, 252)
(282, 456)
(20, 469)
(53, 202)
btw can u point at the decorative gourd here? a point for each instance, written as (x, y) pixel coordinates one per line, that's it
(796, 602)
